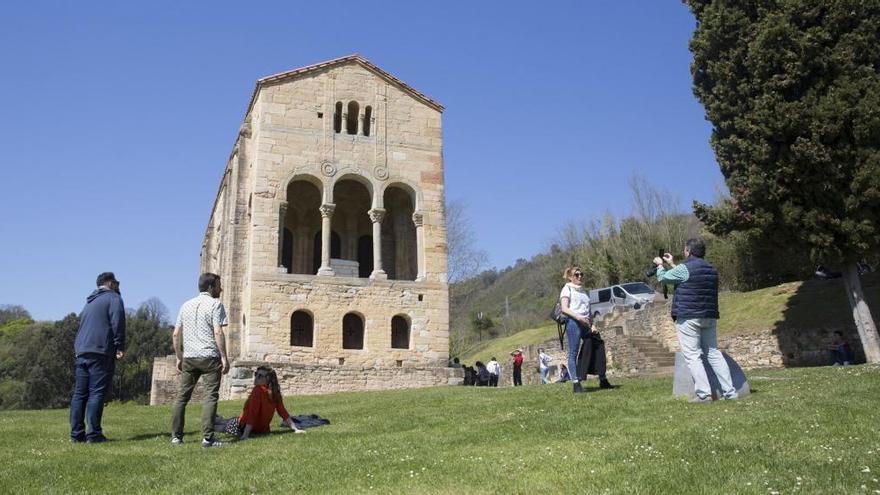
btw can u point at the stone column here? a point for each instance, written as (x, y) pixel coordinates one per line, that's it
(282, 220)
(418, 220)
(326, 216)
(376, 216)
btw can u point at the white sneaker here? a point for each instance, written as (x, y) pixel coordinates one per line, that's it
(210, 442)
(176, 441)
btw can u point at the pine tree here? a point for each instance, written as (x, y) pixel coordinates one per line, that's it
(792, 90)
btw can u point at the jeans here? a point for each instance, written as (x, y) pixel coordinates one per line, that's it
(573, 334)
(697, 337)
(517, 376)
(192, 370)
(493, 380)
(544, 372)
(92, 376)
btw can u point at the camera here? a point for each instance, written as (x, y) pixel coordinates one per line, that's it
(652, 272)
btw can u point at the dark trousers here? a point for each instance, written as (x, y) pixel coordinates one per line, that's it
(192, 370)
(591, 359)
(493, 380)
(517, 376)
(92, 377)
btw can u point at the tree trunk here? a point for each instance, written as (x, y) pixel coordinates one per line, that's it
(861, 314)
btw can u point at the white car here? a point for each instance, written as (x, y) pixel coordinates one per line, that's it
(634, 294)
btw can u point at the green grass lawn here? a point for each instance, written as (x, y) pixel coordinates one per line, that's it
(808, 430)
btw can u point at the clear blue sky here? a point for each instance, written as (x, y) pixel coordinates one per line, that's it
(118, 118)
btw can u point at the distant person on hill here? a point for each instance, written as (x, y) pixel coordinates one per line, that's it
(261, 405)
(695, 312)
(202, 353)
(100, 341)
(482, 374)
(575, 303)
(838, 347)
(564, 376)
(544, 365)
(455, 363)
(494, 370)
(517, 367)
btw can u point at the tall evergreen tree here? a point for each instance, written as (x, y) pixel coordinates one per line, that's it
(792, 89)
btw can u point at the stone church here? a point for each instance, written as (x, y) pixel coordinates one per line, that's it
(328, 232)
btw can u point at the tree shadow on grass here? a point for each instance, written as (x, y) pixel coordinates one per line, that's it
(817, 309)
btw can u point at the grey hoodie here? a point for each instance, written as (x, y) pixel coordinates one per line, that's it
(101, 324)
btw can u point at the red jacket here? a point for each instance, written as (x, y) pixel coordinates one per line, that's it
(259, 409)
(517, 361)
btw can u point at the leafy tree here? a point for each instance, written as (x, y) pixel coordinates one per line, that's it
(792, 89)
(11, 312)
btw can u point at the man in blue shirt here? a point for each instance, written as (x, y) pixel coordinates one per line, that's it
(99, 342)
(695, 312)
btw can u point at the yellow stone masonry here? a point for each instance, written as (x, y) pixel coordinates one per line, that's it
(347, 146)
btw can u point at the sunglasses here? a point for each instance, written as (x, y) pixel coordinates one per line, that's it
(578, 274)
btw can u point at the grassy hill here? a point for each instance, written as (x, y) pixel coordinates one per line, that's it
(792, 305)
(795, 433)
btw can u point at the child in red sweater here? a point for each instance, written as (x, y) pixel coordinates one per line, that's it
(260, 407)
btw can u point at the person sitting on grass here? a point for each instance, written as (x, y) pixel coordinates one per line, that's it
(564, 376)
(839, 348)
(482, 374)
(260, 407)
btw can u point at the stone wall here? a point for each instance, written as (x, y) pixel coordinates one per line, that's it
(163, 388)
(772, 347)
(304, 379)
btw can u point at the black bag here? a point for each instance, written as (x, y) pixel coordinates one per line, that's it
(557, 315)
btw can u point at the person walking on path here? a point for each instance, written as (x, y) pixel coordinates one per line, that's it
(575, 303)
(695, 312)
(200, 325)
(517, 367)
(544, 365)
(100, 341)
(494, 372)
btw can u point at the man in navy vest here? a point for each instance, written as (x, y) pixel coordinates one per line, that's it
(695, 312)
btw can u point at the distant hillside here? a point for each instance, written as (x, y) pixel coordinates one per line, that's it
(515, 298)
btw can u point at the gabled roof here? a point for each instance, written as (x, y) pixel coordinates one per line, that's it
(340, 61)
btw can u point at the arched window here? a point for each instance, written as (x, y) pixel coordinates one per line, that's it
(399, 332)
(399, 243)
(337, 118)
(287, 250)
(335, 249)
(368, 115)
(365, 256)
(301, 329)
(352, 331)
(351, 121)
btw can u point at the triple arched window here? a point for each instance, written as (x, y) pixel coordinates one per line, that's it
(302, 330)
(350, 115)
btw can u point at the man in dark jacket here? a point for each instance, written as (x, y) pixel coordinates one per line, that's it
(99, 342)
(695, 312)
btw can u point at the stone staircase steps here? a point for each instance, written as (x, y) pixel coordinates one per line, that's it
(662, 360)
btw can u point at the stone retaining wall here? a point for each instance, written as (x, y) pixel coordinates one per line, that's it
(304, 379)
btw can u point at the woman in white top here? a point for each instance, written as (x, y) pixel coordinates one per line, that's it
(575, 303)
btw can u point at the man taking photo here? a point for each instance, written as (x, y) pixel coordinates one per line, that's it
(695, 312)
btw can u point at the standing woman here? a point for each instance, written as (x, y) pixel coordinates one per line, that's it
(575, 303)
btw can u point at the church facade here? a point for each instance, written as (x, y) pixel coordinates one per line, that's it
(328, 233)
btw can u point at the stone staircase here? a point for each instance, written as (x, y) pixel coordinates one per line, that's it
(663, 361)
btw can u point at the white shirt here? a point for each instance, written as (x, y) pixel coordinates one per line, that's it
(197, 319)
(578, 299)
(494, 368)
(544, 360)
